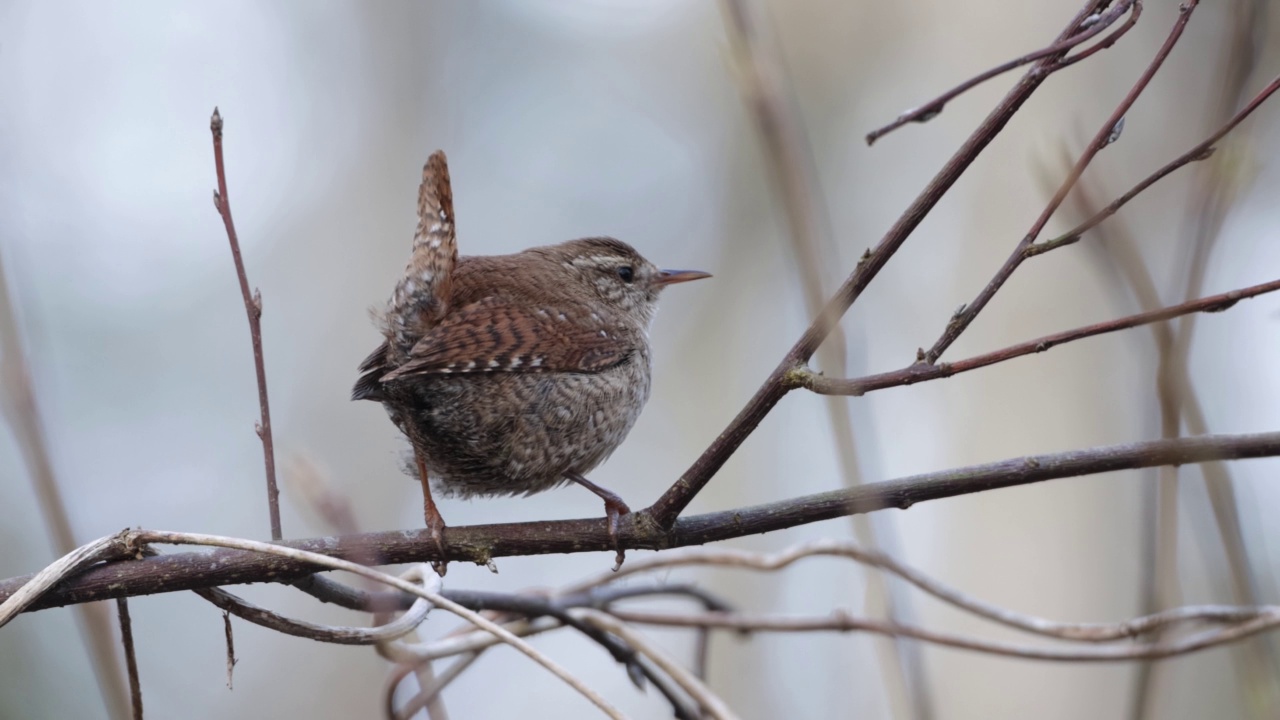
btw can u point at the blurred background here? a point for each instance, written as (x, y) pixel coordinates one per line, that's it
(625, 118)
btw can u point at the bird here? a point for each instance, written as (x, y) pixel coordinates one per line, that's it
(513, 374)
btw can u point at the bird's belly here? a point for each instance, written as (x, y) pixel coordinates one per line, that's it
(507, 434)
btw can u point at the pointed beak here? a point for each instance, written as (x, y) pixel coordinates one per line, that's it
(671, 277)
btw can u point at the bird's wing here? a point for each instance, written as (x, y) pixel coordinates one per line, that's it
(495, 335)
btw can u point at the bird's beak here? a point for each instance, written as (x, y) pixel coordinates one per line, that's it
(671, 277)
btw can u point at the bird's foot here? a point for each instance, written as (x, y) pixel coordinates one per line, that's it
(436, 526)
(614, 509)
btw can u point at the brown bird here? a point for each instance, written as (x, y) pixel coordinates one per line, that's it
(513, 374)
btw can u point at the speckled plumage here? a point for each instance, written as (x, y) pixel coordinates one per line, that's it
(512, 374)
(562, 396)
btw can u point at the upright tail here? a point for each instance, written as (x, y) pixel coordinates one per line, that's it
(421, 297)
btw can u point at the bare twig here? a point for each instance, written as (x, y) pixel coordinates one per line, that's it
(921, 372)
(769, 562)
(667, 509)
(1267, 618)
(960, 322)
(340, 635)
(707, 700)
(35, 586)
(1097, 23)
(1200, 152)
(130, 657)
(252, 308)
(231, 646)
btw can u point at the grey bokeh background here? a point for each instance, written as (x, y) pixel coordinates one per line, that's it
(570, 119)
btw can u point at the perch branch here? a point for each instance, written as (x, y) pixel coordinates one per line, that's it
(480, 543)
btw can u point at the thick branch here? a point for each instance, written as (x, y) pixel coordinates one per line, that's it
(480, 543)
(921, 372)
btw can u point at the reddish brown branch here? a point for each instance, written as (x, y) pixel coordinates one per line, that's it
(921, 372)
(1195, 154)
(252, 308)
(934, 107)
(960, 322)
(664, 512)
(480, 543)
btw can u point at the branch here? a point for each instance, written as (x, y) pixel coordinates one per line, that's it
(664, 512)
(921, 372)
(1094, 24)
(252, 308)
(480, 543)
(1105, 135)
(130, 657)
(1267, 618)
(1200, 152)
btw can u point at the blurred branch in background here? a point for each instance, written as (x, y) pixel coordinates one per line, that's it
(766, 91)
(20, 410)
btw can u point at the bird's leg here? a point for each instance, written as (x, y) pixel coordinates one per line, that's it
(614, 509)
(435, 523)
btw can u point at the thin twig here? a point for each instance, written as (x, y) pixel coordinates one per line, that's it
(960, 322)
(707, 700)
(252, 308)
(1201, 151)
(933, 108)
(427, 694)
(130, 657)
(479, 543)
(770, 562)
(231, 647)
(336, 634)
(921, 372)
(1268, 618)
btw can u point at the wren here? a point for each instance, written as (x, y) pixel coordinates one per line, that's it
(513, 374)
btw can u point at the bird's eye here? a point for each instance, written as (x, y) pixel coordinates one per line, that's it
(626, 273)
